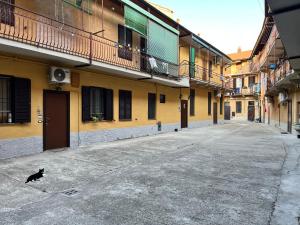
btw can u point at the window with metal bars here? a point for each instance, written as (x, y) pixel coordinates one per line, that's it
(5, 100)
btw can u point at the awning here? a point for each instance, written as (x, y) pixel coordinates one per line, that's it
(149, 15)
(162, 43)
(135, 20)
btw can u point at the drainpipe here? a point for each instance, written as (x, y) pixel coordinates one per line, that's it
(91, 48)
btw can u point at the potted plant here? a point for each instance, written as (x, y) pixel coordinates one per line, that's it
(96, 117)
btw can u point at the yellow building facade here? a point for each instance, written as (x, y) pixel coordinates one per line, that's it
(75, 74)
(243, 103)
(279, 90)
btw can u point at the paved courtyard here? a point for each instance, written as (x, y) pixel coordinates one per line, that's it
(227, 174)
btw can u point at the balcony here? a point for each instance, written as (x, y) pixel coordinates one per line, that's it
(272, 51)
(29, 34)
(283, 77)
(204, 77)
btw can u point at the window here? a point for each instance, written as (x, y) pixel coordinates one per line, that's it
(15, 100)
(238, 107)
(97, 104)
(251, 103)
(5, 100)
(7, 11)
(151, 106)
(251, 81)
(243, 82)
(234, 83)
(125, 43)
(221, 105)
(210, 68)
(209, 103)
(84, 5)
(125, 105)
(192, 102)
(162, 98)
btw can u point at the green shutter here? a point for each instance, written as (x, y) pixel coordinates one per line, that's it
(192, 62)
(135, 20)
(162, 43)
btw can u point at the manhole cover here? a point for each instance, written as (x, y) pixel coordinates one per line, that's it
(70, 192)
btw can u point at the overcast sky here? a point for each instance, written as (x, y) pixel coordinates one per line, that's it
(226, 24)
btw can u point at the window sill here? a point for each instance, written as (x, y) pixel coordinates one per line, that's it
(125, 120)
(99, 121)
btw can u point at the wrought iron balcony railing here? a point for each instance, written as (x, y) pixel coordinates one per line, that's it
(204, 75)
(278, 74)
(22, 25)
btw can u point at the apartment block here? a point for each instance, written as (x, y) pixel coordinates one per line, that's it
(243, 103)
(278, 68)
(76, 73)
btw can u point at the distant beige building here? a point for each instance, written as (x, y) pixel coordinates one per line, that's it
(242, 103)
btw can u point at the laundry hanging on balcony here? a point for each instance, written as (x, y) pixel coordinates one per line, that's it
(135, 20)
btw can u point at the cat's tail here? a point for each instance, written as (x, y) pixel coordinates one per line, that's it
(26, 182)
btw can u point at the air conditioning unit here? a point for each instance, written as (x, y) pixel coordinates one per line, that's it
(60, 75)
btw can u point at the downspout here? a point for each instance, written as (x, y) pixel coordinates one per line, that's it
(102, 5)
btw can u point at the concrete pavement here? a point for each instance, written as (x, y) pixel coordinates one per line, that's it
(228, 174)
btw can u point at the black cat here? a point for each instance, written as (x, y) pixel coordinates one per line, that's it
(35, 176)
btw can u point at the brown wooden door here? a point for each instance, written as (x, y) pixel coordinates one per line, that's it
(290, 118)
(184, 113)
(251, 112)
(227, 111)
(215, 113)
(56, 119)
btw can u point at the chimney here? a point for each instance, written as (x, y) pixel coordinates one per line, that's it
(239, 50)
(178, 20)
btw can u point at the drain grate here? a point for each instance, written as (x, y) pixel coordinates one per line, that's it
(284, 132)
(70, 192)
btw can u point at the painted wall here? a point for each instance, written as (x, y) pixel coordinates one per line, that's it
(38, 73)
(245, 103)
(167, 113)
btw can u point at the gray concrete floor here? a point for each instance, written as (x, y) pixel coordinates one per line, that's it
(228, 174)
